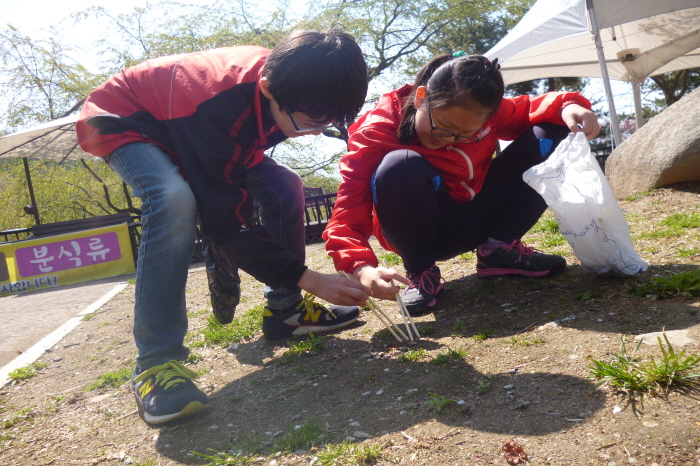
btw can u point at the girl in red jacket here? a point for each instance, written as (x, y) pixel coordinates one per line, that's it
(421, 177)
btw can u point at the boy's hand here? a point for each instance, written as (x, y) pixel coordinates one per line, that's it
(335, 288)
(579, 119)
(378, 280)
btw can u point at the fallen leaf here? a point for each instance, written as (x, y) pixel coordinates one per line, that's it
(514, 453)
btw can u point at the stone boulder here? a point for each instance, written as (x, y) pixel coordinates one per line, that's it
(664, 151)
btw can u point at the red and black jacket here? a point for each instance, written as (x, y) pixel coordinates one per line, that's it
(206, 110)
(462, 166)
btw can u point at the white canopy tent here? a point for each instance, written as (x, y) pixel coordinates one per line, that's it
(54, 140)
(627, 40)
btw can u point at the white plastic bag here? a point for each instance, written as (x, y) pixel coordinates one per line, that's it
(589, 216)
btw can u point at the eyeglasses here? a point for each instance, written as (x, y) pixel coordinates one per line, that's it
(297, 129)
(445, 133)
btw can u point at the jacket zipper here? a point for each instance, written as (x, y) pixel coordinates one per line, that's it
(471, 170)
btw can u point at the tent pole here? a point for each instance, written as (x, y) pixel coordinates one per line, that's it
(604, 70)
(30, 185)
(637, 96)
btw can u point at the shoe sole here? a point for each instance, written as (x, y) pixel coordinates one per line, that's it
(189, 410)
(306, 329)
(483, 273)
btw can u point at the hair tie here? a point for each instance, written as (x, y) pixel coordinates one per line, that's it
(491, 64)
(461, 53)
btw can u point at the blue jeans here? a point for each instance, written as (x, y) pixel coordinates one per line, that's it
(168, 238)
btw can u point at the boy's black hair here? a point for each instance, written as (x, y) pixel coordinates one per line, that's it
(321, 74)
(454, 81)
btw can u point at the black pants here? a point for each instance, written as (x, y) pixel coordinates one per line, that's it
(424, 225)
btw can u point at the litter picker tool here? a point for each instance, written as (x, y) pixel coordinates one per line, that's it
(404, 312)
(381, 315)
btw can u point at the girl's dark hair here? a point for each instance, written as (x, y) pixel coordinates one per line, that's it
(322, 74)
(454, 81)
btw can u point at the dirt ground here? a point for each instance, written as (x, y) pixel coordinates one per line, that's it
(527, 382)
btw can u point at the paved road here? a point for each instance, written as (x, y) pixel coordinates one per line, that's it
(27, 318)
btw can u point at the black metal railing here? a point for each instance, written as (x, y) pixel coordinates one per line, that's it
(17, 234)
(317, 212)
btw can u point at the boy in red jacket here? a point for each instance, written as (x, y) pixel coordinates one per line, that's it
(420, 176)
(188, 134)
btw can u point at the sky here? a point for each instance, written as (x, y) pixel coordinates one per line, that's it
(44, 13)
(34, 21)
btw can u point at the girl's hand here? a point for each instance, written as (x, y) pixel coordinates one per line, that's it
(378, 280)
(334, 288)
(579, 119)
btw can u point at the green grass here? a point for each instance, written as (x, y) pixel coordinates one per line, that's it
(391, 259)
(552, 241)
(636, 377)
(685, 220)
(250, 448)
(682, 252)
(348, 453)
(460, 329)
(482, 386)
(526, 340)
(426, 330)
(467, 256)
(547, 224)
(661, 233)
(440, 403)
(244, 451)
(451, 356)
(311, 344)
(639, 196)
(484, 334)
(23, 373)
(413, 355)
(113, 379)
(243, 327)
(680, 284)
(675, 225)
(194, 358)
(26, 414)
(301, 437)
(148, 462)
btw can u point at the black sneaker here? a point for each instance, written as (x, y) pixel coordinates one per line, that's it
(518, 259)
(420, 296)
(223, 280)
(305, 317)
(166, 392)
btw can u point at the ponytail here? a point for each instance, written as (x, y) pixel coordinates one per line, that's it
(407, 127)
(454, 80)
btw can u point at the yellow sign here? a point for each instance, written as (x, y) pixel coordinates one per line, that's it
(64, 259)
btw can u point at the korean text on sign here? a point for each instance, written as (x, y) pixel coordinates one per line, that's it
(70, 254)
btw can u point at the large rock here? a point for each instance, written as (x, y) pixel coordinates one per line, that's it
(664, 151)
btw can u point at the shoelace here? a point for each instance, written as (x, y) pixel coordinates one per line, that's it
(168, 374)
(522, 249)
(425, 281)
(309, 302)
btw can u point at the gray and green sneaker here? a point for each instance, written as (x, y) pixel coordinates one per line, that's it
(307, 316)
(166, 392)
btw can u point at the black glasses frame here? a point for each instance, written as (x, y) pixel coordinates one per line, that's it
(298, 129)
(458, 137)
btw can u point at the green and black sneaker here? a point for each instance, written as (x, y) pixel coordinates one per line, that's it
(166, 392)
(307, 316)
